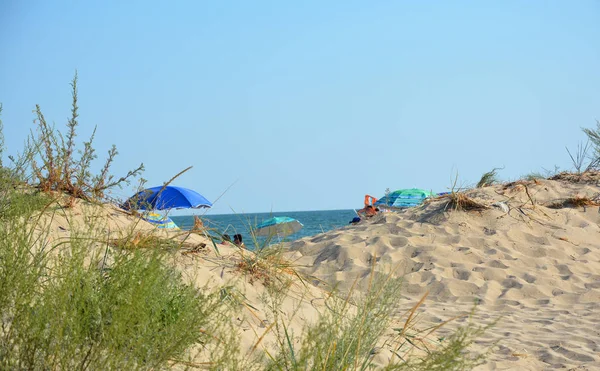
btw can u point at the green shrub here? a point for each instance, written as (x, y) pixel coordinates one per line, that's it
(61, 308)
(48, 160)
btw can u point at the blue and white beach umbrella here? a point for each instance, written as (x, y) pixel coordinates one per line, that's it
(279, 225)
(161, 221)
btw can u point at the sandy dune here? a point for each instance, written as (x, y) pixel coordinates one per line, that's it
(524, 252)
(536, 267)
(201, 265)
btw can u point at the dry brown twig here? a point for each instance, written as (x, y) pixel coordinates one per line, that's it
(461, 202)
(575, 201)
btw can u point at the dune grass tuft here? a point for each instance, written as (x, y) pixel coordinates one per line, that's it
(459, 201)
(144, 240)
(489, 178)
(267, 265)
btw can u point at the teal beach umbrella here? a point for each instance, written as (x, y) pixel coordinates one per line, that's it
(279, 225)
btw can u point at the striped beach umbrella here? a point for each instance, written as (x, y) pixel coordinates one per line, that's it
(161, 221)
(404, 198)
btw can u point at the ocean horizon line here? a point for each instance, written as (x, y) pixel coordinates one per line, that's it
(263, 212)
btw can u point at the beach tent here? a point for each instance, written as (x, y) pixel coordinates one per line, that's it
(404, 198)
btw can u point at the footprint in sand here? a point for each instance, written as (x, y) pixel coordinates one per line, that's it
(419, 250)
(563, 270)
(497, 264)
(461, 274)
(534, 251)
(535, 240)
(491, 251)
(330, 253)
(451, 240)
(593, 285)
(571, 354)
(417, 266)
(511, 283)
(583, 251)
(415, 253)
(529, 278)
(399, 241)
(489, 231)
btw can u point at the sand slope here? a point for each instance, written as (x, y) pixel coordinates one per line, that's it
(201, 265)
(536, 266)
(526, 254)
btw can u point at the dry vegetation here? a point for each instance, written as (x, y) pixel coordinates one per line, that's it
(459, 201)
(575, 201)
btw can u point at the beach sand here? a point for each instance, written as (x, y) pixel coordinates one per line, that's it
(521, 254)
(535, 268)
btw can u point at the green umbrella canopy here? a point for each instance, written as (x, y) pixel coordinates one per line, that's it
(405, 198)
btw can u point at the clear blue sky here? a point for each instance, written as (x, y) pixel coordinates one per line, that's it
(308, 105)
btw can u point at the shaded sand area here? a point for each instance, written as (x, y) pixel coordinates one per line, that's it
(527, 252)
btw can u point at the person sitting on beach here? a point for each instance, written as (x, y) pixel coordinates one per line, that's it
(368, 211)
(226, 239)
(237, 240)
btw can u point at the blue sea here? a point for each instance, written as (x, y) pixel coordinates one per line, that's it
(314, 222)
